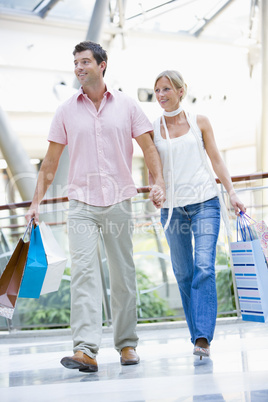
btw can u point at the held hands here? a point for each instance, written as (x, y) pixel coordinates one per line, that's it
(157, 195)
(236, 203)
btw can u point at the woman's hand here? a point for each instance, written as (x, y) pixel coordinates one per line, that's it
(236, 203)
(157, 195)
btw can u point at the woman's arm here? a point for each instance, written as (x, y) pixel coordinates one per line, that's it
(217, 162)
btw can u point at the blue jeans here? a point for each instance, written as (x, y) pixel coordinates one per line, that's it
(195, 271)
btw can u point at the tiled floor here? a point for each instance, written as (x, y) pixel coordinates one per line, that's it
(237, 371)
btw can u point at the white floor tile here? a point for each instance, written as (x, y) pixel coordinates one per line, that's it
(30, 368)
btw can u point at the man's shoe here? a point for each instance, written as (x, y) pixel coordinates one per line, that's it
(80, 361)
(129, 356)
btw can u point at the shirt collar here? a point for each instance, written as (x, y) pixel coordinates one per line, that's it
(109, 92)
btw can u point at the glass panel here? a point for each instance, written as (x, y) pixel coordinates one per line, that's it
(80, 10)
(50, 310)
(158, 295)
(23, 5)
(167, 16)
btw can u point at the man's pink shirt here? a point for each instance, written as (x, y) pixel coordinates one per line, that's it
(100, 145)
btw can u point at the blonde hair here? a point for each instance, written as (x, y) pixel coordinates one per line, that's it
(175, 79)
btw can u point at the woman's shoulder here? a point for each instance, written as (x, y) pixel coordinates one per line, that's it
(202, 122)
(198, 118)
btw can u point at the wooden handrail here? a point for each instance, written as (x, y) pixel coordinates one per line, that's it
(247, 177)
(26, 204)
(140, 190)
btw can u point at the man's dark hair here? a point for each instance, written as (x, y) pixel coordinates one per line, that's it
(98, 52)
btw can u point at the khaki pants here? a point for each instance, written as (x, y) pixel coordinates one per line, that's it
(84, 224)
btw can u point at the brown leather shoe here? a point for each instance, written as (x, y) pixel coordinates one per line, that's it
(80, 361)
(129, 356)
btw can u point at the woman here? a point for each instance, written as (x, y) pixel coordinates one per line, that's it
(192, 207)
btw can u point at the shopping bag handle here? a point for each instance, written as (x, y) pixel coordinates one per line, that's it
(28, 228)
(247, 217)
(242, 226)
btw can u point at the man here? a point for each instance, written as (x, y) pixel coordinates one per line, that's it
(98, 125)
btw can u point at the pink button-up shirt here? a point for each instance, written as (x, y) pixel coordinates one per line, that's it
(100, 145)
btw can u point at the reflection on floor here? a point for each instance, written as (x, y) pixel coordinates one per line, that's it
(168, 372)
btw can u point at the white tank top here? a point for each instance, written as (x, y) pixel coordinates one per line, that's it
(192, 181)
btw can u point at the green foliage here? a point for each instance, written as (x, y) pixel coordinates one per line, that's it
(50, 310)
(53, 310)
(225, 291)
(151, 304)
(224, 283)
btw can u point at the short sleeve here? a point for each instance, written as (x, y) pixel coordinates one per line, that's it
(57, 132)
(140, 122)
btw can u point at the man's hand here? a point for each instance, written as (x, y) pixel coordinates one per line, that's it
(157, 195)
(33, 212)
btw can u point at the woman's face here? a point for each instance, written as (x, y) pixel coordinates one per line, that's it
(167, 97)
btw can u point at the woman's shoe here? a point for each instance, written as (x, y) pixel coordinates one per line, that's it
(198, 351)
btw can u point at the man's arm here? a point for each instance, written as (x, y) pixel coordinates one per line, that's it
(45, 178)
(153, 162)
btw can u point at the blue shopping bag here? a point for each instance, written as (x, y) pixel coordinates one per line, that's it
(36, 267)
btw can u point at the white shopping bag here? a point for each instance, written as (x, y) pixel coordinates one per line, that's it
(56, 260)
(251, 276)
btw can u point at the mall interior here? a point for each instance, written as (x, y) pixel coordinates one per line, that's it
(221, 49)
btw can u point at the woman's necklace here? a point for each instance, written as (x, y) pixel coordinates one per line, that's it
(173, 113)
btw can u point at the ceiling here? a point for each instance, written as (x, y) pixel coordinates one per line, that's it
(189, 35)
(223, 20)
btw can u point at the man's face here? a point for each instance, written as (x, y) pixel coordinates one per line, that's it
(86, 68)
